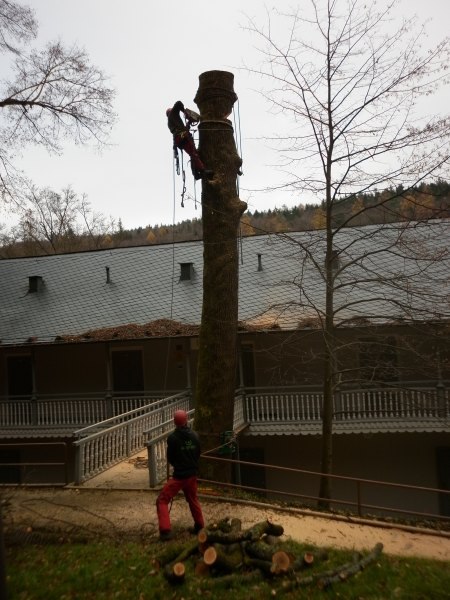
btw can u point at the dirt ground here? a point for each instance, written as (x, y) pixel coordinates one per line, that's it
(122, 512)
(119, 503)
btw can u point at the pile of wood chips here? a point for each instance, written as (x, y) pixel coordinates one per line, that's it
(226, 552)
(158, 328)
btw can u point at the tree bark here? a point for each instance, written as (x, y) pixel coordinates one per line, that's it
(221, 213)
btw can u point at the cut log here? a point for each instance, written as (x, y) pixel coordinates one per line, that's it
(265, 528)
(201, 568)
(202, 536)
(252, 534)
(346, 571)
(168, 555)
(186, 552)
(229, 561)
(280, 562)
(175, 572)
(222, 525)
(264, 566)
(340, 573)
(270, 540)
(210, 556)
(259, 550)
(235, 524)
(309, 559)
(218, 557)
(202, 547)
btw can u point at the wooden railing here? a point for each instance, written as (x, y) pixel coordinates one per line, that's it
(105, 444)
(393, 403)
(411, 403)
(68, 410)
(419, 404)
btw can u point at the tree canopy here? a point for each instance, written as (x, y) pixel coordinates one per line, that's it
(51, 94)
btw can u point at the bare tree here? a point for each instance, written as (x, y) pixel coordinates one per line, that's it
(53, 94)
(352, 83)
(55, 222)
(17, 25)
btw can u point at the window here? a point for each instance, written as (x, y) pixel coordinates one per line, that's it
(247, 365)
(127, 370)
(20, 375)
(378, 359)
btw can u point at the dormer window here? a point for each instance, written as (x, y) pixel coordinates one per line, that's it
(186, 271)
(34, 283)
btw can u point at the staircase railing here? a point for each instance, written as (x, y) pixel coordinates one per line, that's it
(103, 445)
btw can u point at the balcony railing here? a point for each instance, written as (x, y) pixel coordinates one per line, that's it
(413, 406)
(70, 410)
(410, 406)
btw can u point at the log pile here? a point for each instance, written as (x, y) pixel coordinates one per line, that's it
(226, 552)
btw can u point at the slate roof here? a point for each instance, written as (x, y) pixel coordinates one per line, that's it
(383, 273)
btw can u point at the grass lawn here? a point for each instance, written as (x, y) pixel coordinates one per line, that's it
(108, 570)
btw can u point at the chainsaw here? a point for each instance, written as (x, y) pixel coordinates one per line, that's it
(192, 117)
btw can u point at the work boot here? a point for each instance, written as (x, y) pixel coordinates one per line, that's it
(195, 529)
(165, 536)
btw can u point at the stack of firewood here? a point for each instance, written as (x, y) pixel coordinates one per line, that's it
(224, 550)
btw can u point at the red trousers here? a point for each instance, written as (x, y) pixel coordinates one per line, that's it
(169, 491)
(186, 142)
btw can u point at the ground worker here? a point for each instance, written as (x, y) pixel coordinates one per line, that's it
(182, 138)
(183, 452)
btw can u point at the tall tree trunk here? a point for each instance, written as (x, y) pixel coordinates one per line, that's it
(329, 333)
(221, 213)
(329, 382)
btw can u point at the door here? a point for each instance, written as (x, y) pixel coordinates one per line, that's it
(19, 371)
(127, 370)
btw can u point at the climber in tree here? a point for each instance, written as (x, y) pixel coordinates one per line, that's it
(182, 137)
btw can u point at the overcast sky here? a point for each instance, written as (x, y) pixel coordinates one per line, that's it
(154, 53)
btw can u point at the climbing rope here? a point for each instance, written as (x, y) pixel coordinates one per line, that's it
(183, 190)
(175, 168)
(238, 141)
(177, 160)
(238, 137)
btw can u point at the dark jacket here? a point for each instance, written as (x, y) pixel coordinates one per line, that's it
(183, 452)
(174, 121)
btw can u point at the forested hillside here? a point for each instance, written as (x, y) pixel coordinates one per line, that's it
(45, 232)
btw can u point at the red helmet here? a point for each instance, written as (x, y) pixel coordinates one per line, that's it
(168, 111)
(180, 418)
